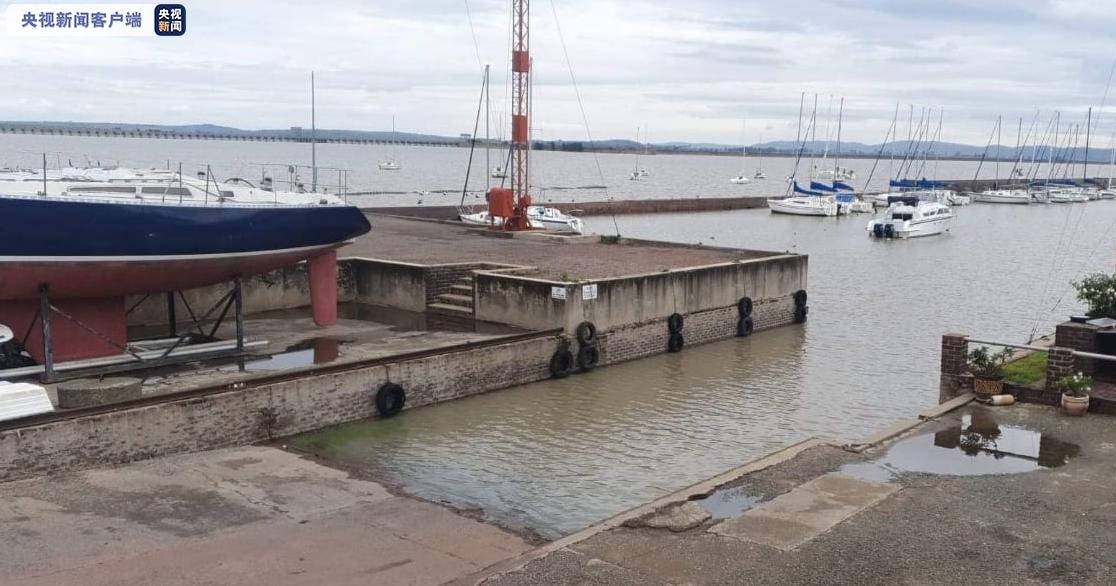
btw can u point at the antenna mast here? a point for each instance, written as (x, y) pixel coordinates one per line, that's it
(521, 123)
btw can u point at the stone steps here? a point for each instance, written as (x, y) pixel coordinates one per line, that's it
(446, 308)
(465, 301)
(462, 289)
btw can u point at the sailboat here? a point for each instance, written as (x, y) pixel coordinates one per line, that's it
(392, 162)
(759, 174)
(742, 178)
(637, 172)
(805, 203)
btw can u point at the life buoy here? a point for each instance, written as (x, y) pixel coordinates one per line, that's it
(675, 342)
(800, 298)
(745, 326)
(561, 363)
(586, 333)
(744, 306)
(588, 357)
(390, 399)
(800, 313)
(675, 322)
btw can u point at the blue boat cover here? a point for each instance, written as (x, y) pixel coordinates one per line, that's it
(820, 186)
(798, 189)
(843, 186)
(917, 184)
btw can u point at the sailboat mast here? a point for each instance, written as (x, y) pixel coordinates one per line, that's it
(1112, 160)
(837, 155)
(487, 130)
(814, 137)
(999, 128)
(313, 139)
(1088, 133)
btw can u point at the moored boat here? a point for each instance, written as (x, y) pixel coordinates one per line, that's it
(909, 217)
(807, 205)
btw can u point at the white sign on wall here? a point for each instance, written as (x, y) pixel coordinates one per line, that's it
(558, 293)
(589, 292)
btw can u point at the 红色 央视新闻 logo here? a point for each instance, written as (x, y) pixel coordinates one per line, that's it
(170, 20)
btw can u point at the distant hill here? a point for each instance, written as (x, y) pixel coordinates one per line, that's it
(301, 134)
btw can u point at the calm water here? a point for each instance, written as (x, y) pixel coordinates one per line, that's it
(558, 455)
(557, 176)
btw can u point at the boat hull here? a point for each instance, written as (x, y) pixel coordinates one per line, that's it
(783, 207)
(101, 249)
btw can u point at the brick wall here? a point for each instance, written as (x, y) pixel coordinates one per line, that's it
(954, 379)
(439, 278)
(650, 338)
(238, 417)
(1060, 362)
(1081, 337)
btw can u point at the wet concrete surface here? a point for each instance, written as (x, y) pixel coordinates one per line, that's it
(1051, 524)
(294, 343)
(253, 515)
(425, 242)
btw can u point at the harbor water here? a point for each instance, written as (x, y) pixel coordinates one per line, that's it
(555, 456)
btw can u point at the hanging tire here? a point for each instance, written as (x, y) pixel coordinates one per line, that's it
(800, 298)
(745, 327)
(561, 363)
(744, 307)
(675, 343)
(586, 333)
(588, 357)
(800, 313)
(390, 399)
(675, 322)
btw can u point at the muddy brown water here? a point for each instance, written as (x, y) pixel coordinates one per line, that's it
(557, 456)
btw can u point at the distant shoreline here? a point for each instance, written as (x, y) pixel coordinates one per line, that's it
(303, 136)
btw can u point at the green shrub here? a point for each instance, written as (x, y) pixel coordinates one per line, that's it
(1098, 291)
(985, 364)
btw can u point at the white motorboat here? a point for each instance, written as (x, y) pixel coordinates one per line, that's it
(860, 206)
(1106, 194)
(1065, 196)
(1011, 196)
(739, 179)
(389, 165)
(804, 205)
(499, 173)
(909, 217)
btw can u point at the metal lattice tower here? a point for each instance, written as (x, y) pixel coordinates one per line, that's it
(521, 113)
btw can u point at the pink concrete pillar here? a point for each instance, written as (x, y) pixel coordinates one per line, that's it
(323, 287)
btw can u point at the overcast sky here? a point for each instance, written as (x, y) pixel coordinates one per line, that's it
(686, 71)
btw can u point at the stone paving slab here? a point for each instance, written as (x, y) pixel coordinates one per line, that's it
(802, 514)
(253, 515)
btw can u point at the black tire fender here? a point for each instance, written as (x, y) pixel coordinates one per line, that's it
(800, 314)
(744, 307)
(390, 399)
(800, 298)
(675, 342)
(745, 326)
(586, 333)
(588, 357)
(675, 322)
(561, 363)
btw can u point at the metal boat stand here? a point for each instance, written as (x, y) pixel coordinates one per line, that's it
(144, 353)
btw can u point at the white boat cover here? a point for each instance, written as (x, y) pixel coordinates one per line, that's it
(22, 400)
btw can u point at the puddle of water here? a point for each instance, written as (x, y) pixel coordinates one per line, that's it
(978, 446)
(301, 355)
(726, 503)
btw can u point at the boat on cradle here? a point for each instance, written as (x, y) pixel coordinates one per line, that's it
(910, 217)
(117, 238)
(540, 218)
(804, 205)
(1007, 196)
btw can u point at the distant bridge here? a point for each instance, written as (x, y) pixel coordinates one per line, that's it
(125, 132)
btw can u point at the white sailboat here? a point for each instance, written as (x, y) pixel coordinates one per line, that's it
(392, 162)
(809, 205)
(637, 172)
(742, 178)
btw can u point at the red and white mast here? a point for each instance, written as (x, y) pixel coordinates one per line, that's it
(521, 115)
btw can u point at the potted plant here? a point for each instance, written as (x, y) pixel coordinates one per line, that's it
(1075, 393)
(987, 369)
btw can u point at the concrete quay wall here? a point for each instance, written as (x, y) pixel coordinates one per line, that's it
(241, 416)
